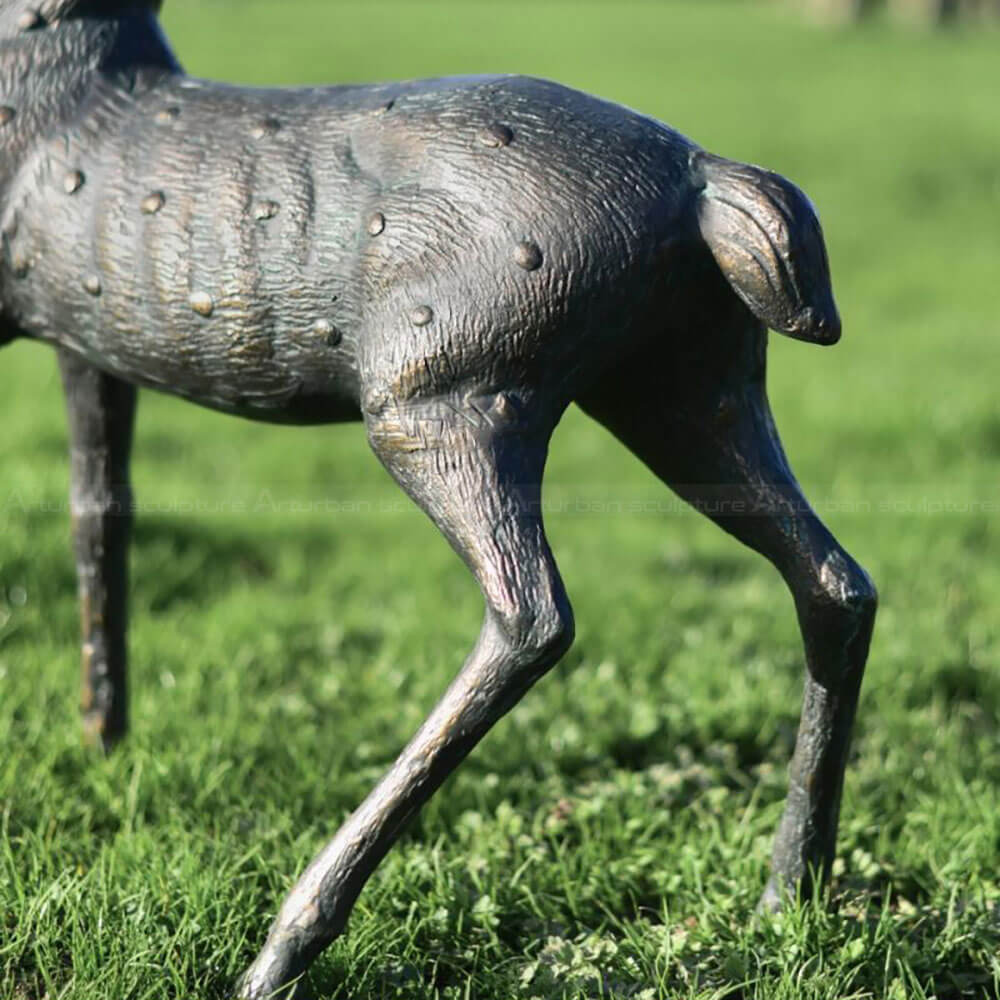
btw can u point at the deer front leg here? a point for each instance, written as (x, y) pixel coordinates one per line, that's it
(481, 487)
(101, 413)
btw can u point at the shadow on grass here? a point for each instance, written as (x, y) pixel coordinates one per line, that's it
(958, 685)
(177, 560)
(989, 436)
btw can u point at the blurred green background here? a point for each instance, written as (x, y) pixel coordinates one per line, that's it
(611, 836)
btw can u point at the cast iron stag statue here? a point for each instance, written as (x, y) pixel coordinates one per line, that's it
(452, 262)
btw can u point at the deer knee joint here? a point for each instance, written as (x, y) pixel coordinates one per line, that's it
(540, 636)
(838, 619)
(848, 587)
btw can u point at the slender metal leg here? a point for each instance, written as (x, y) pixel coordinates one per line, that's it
(716, 445)
(482, 489)
(101, 417)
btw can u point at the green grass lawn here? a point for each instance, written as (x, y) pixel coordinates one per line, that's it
(611, 836)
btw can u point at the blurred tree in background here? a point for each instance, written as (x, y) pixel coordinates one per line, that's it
(932, 12)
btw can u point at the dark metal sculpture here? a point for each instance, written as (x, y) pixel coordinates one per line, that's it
(452, 262)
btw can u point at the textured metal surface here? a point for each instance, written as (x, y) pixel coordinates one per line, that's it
(452, 262)
(101, 415)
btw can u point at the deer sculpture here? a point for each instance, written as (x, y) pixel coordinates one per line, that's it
(451, 262)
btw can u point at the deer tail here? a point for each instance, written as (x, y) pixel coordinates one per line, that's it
(764, 235)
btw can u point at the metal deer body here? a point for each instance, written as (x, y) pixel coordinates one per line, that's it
(452, 262)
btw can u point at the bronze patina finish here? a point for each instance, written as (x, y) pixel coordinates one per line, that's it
(452, 262)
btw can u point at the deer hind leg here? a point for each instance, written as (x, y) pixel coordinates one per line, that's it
(476, 471)
(101, 416)
(708, 433)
